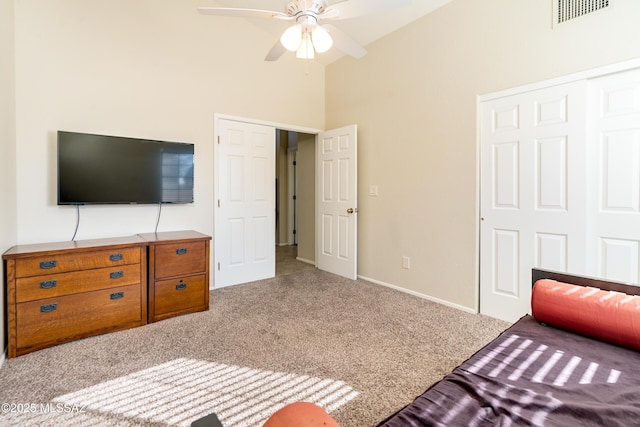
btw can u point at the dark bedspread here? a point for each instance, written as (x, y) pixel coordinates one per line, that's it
(534, 375)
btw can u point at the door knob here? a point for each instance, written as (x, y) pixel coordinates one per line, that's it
(350, 210)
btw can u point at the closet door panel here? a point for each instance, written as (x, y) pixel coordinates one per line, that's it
(614, 129)
(532, 199)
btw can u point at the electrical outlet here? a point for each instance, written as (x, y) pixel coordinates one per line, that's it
(406, 262)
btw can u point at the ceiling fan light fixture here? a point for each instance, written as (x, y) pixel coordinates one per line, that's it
(307, 15)
(291, 38)
(305, 51)
(322, 41)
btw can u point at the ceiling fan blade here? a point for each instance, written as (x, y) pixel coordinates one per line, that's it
(355, 8)
(243, 13)
(276, 52)
(331, 13)
(345, 43)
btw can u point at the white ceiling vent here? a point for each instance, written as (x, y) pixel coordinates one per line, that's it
(566, 10)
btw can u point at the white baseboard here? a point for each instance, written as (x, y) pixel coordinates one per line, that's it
(419, 295)
(2, 358)
(308, 261)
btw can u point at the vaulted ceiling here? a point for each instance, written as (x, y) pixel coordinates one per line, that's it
(363, 29)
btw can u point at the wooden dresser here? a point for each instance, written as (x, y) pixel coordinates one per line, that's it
(59, 292)
(178, 273)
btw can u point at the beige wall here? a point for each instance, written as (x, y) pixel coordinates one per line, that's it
(306, 169)
(146, 68)
(8, 218)
(414, 99)
(157, 69)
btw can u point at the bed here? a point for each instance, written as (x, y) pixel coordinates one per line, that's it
(574, 361)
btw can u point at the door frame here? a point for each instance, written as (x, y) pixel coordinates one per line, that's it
(216, 134)
(292, 190)
(569, 78)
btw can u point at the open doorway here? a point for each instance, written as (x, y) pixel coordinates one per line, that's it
(245, 200)
(295, 202)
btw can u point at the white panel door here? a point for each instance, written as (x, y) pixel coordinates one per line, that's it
(245, 205)
(533, 168)
(614, 120)
(337, 204)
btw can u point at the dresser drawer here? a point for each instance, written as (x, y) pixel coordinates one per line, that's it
(179, 259)
(63, 318)
(61, 263)
(180, 294)
(54, 285)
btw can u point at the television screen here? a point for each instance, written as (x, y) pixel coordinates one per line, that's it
(100, 169)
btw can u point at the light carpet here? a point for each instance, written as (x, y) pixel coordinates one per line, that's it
(360, 350)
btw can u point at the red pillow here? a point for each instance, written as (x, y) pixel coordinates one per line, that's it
(606, 315)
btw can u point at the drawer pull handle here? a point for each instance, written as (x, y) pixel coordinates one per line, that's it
(116, 257)
(180, 286)
(48, 284)
(48, 264)
(47, 308)
(117, 295)
(181, 251)
(116, 274)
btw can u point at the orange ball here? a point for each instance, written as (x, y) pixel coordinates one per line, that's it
(301, 414)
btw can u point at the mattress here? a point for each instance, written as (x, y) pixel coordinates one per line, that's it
(537, 375)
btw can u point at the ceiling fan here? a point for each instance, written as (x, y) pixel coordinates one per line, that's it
(307, 37)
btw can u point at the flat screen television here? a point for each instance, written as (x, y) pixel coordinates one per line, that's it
(100, 169)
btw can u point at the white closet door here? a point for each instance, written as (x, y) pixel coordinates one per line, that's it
(614, 125)
(533, 169)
